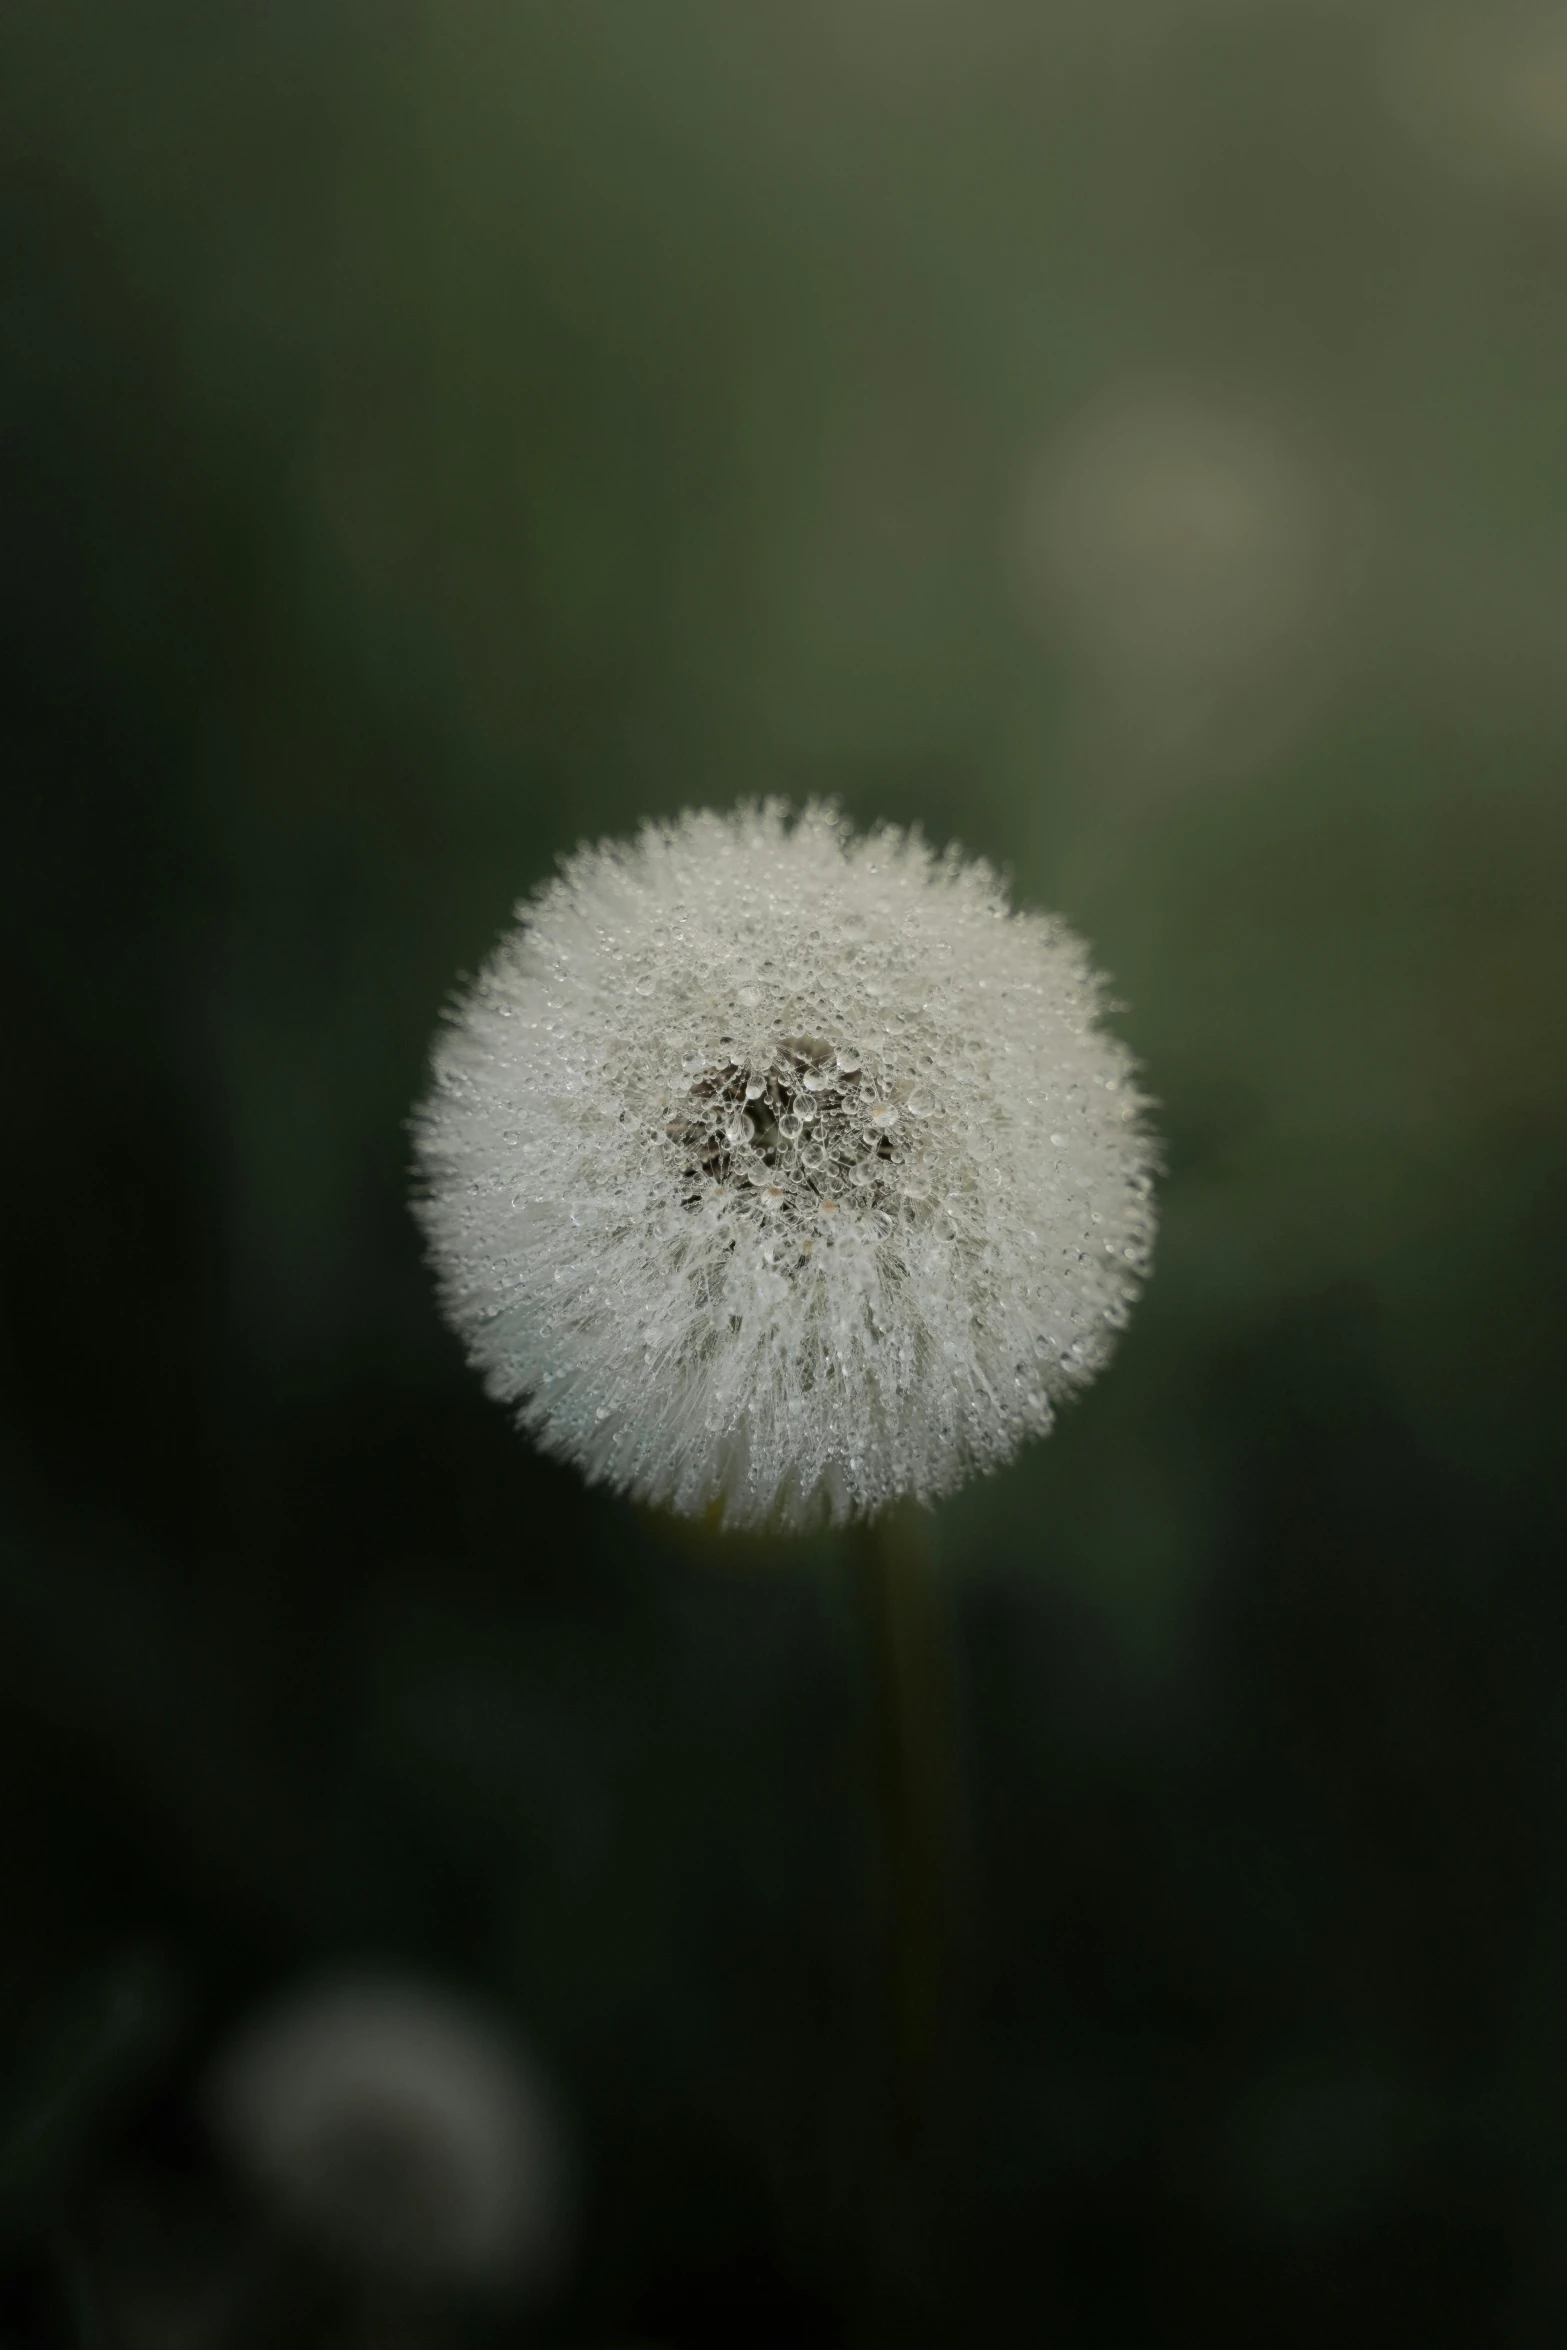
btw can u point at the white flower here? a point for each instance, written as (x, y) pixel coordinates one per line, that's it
(399, 2130)
(777, 1172)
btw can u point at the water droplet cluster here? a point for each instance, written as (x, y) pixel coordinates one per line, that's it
(803, 1139)
(781, 1169)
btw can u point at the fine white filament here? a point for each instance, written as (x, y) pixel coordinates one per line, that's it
(778, 1173)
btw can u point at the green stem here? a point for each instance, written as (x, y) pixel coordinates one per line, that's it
(915, 1740)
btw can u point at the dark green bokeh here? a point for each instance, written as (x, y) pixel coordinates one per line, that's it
(1129, 439)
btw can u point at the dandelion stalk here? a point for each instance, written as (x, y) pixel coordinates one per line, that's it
(913, 1710)
(913, 1715)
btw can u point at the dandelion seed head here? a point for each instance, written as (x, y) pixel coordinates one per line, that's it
(400, 2131)
(784, 1172)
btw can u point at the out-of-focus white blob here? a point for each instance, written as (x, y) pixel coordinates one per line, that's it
(1184, 547)
(401, 2131)
(1484, 88)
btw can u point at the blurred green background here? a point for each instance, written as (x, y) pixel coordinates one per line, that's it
(1130, 438)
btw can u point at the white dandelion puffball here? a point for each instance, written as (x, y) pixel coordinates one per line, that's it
(780, 1173)
(402, 2132)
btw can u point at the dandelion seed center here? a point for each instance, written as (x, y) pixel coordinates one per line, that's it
(796, 1139)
